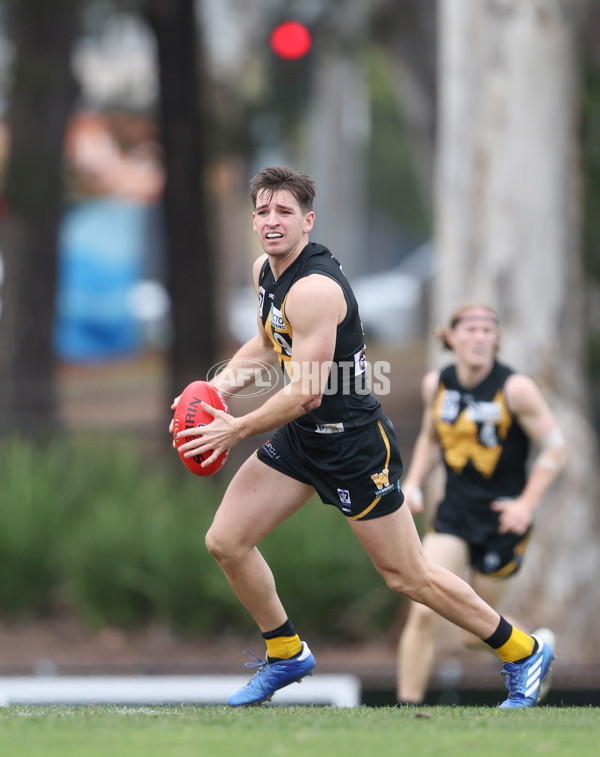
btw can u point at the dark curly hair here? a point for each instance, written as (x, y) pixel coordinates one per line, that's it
(275, 178)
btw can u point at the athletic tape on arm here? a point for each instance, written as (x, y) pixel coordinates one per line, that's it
(552, 451)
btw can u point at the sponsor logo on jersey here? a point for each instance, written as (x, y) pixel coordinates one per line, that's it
(450, 405)
(261, 300)
(329, 428)
(270, 450)
(360, 361)
(488, 436)
(484, 412)
(277, 321)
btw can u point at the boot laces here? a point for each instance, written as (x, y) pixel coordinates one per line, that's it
(257, 662)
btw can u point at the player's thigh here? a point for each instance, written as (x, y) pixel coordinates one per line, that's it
(392, 542)
(447, 550)
(257, 500)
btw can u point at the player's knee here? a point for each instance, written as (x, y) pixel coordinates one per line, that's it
(217, 546)
(224, 546)
(411, 583)
(402, 584)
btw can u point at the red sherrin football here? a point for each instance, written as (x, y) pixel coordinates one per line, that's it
(189, 414)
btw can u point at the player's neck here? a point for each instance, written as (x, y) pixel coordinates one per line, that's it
(281, 262)
(472, 375)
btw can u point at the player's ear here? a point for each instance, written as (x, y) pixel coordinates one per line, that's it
(449, 339)
(309, 221)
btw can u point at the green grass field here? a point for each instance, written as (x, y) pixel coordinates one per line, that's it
(297, 731)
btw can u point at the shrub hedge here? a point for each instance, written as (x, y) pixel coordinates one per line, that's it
(117, 537)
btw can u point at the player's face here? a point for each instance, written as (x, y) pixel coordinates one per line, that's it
(474, 338)
(280, 223)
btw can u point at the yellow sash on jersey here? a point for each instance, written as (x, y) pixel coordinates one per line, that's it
(461, 442)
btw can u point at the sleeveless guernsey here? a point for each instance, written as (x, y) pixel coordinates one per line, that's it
(484, 450)
(347, 402)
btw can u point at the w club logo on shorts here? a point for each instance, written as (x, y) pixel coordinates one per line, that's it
(381, 480)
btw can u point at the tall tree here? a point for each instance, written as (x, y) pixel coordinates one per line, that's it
(508, 211)
(184, 108)
(42, 97)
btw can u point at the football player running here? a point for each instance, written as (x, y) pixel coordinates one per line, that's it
(332, 438)
(480, 418)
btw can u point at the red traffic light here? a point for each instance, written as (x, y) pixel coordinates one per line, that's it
(290, 40)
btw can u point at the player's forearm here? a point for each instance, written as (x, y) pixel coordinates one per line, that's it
(541, 478)
(240, 370)
(286, 405)
(426, 456)
(546, 467)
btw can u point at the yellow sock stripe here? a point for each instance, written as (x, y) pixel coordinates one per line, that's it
(519, 645)
(387, 462)
(283, 647)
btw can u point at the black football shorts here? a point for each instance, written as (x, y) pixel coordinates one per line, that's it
(357, 471)
(493, 555)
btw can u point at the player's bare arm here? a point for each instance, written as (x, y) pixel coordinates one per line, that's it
(537, 421)
(232, 378)
(426, 453)
(314, 307)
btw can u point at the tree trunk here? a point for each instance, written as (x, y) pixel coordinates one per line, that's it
(336, 158)
(183, 120)
(508, 225)
(41, 101)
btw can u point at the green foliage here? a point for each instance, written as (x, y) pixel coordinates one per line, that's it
(28, 526)
(324, 577)
(590, 145)
(393, 181)
(118, 539)
(298, 731)
(591, 170)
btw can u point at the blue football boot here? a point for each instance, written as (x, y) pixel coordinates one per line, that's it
(524, 679)
(272, 676)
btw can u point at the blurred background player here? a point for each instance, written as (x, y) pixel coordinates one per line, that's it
(480, 418)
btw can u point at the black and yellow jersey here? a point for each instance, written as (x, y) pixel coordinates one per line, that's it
(484, 449)
(347, 402)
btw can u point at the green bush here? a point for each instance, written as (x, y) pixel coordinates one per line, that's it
(118, 539)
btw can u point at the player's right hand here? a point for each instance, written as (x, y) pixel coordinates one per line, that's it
(413, 496)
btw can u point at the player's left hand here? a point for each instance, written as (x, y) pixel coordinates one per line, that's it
(173, 406)
(215, 437)
(515, 515)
